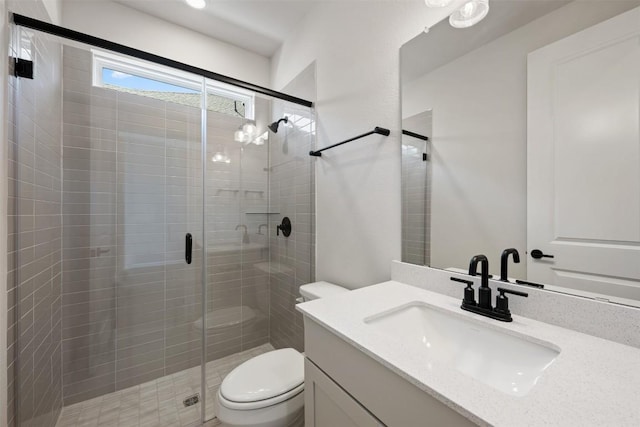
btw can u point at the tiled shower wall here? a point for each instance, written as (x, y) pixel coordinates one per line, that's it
(292, 191)
(108, 301)
(132, 190)
(35, 230)
(416, 191)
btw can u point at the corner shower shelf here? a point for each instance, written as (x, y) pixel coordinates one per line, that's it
(273, 268)
(262, 213)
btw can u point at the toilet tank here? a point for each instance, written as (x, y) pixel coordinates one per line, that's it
(316, 290)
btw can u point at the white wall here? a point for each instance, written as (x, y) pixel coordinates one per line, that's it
(478, 154)
(121, 24)
(356, 49)
(479, 142)
(54, 9)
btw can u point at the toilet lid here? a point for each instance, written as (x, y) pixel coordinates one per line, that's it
(264, 377)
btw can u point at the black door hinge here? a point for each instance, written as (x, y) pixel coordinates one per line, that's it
(22, 68)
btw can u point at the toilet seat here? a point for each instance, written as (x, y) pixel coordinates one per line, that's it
(259, 404)
(263, 381)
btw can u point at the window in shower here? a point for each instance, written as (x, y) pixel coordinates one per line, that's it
(125, 74)
(301, 122)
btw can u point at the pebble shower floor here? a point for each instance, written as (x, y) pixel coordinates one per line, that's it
(158, 402)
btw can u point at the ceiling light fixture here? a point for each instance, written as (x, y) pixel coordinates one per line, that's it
(220, 158)
(240, 136)
(249, 129)
(469, 14)
(437, 3)
(245, 133)
(197, 4)
(260, 140)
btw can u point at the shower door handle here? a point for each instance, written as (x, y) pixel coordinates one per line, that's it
(187, 249)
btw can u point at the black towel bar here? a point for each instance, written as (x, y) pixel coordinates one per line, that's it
(378, 130)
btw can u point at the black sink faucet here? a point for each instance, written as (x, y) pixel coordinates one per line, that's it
(501, 311)
(484, 293)
(504, 260)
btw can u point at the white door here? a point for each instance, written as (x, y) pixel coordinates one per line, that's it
(583, 160)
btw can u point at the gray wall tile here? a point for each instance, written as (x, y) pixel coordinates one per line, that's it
(291, 193)
(34, 243)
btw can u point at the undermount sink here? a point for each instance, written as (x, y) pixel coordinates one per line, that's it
(508, 363)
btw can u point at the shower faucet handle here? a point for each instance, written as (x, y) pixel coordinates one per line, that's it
(285, 227)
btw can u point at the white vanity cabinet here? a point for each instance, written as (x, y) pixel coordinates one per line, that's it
(377, 370)
(328, 405)
(345, 387)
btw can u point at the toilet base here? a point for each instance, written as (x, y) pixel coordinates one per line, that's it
(289, 413)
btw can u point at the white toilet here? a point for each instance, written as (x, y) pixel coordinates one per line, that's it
(267, 390)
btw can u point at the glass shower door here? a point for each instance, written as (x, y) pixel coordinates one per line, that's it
(159, 221)
(133, 147)
(107, 184)
(132, 158)
(237, 227)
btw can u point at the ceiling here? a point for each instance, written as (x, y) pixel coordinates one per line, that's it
(443, 43)
(259, 26)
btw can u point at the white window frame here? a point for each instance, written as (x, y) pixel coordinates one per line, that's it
(302, 123)
(144, 69)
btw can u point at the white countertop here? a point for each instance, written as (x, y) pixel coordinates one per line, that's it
(592, 382)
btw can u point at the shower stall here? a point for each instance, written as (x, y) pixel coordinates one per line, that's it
(144, 263)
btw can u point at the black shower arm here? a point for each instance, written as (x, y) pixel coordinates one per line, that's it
(378, 130)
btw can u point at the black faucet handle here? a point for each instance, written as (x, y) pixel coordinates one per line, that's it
(509, 291)
(459, 280)
(469, 293)
(502, 303)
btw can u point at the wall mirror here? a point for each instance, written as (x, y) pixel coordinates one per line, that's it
(523, 132)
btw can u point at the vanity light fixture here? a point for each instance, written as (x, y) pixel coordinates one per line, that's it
(260, 140)
(196, 4)
(240, 136)
(437, 3)
(245, 133)
(249, 129)
(469, 14)
(220, 158)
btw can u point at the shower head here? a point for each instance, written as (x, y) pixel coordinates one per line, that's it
(274, 126)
